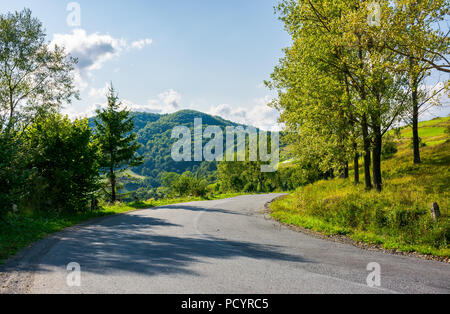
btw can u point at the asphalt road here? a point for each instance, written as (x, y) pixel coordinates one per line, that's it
(223, 246)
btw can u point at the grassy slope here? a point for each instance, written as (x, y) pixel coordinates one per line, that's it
(22, 230)
(398, 218)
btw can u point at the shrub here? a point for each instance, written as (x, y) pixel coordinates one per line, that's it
(188, 184)
(389, 148)
(63, 165)
(12, 176)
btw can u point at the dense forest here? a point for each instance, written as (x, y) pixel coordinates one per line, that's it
(154, 134)
(149, 180)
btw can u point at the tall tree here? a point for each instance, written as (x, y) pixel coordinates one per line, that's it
(34, 79)
(316, 94)
(333, 42)
(33, 76)
(415, 37)
(117, 140)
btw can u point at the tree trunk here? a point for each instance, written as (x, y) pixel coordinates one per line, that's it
(344, 171)
(378, 142)
(365, 130)
(112, 178)
(331, 173)
(367, 159)
(356, 163)
(415, 125)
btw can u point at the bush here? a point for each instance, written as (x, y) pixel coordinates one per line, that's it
(63, 165)
(187, 184)
(12, 176)
(389, 149)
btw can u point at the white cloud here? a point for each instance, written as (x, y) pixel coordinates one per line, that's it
(99, 93)
(258, 114)
(93, 50)
(140, 44)
(79, 82)
(75, 113)
(170, 98)
(167, 102)
(226, 111)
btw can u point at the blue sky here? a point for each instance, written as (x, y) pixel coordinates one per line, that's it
(208, 55)
(167, 55)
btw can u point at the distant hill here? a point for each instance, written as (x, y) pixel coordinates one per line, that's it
(157, 143)
(154, 134)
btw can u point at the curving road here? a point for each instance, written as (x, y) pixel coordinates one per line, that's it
(223, 246)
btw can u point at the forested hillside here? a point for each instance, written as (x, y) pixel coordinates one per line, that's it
(155, 137)
(154, 134)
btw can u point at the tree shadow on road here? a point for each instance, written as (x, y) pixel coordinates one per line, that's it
(200, 209)
(127, 244)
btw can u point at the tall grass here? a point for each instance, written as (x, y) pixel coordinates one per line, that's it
(398, 218)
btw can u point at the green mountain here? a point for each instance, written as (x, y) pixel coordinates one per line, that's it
(155, 137)
(154, 134)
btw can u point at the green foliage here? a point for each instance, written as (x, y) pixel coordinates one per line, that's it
(168, 178)
(247, 177)
(35, 77)
(157, 143)
(12, 172)
(153, 132)
(342, 83)
(389, 148)
(118, 144)
(63, 164)
(399, 218)
(189, 184)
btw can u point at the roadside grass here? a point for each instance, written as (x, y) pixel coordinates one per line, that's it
(18, 231)
(397, 219)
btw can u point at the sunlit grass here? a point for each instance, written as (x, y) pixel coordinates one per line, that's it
(399, 218)
(425, 132)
